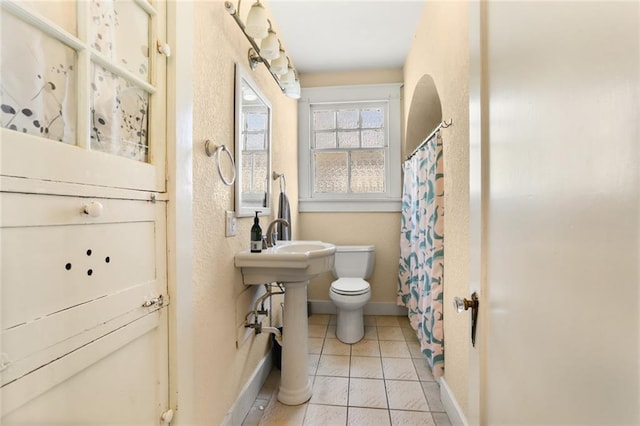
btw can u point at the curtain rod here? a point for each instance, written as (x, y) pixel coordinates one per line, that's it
(443, 125)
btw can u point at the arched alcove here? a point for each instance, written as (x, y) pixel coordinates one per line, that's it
(425, 114)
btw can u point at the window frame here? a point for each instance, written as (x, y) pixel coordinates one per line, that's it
(388, 201)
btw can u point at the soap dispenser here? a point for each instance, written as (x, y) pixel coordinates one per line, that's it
(256, 235)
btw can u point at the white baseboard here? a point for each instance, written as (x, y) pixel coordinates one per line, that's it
(250, 391)
(454, 411)
(373, 308)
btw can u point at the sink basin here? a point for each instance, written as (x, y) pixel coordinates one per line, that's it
(287, 262)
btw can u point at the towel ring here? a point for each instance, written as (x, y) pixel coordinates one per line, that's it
(211, 150)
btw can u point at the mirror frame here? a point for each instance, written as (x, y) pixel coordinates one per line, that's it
(243, 210)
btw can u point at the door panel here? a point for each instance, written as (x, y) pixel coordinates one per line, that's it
(560, 230)
(73, 290)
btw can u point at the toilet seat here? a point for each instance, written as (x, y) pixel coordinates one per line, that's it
(350, 286)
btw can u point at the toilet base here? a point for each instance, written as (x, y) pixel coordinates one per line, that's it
(350, 327)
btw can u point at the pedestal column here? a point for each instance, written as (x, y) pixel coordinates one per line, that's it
(295, 387)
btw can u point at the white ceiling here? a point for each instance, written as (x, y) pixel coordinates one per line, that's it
(331, 35)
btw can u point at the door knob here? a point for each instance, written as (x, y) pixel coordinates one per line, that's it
(93, 209)
(466, 304)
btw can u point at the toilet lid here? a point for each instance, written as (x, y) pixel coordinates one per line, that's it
(351, 286)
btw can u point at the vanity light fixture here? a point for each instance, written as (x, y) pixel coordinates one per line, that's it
(259, 27)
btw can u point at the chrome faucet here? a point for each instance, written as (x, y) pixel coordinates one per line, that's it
(272, 236)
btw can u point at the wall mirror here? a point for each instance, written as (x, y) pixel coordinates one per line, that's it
(253, 147)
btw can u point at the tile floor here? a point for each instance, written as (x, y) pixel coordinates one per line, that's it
(381, 380)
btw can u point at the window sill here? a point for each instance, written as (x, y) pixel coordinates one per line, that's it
(373, 206)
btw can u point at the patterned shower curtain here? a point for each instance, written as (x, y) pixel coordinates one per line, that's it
(422, 249)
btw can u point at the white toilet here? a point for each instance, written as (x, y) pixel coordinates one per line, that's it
(350, 292)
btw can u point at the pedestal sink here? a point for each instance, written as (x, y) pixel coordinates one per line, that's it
(292, 263)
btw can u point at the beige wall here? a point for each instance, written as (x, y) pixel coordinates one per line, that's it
(347, 78)
(220, 299)
(441, 49)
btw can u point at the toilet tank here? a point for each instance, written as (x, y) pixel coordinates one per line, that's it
(354, 261)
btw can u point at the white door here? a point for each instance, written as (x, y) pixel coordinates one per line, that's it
(83, 225)
(555, 207)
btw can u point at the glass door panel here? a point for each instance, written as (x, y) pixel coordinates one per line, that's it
(120, 31)
(38, 82)
(119, 112)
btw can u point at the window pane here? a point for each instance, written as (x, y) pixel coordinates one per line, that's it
(259, 172)
(255, 142)
(323, 120)
(349, 139)
(367, 171)
(119, 113)
(372, 118)
(247, 165)
(331, 172)
(372, 138)
(38, 82)
(256, 120)
(325, 140)
(120, 32)
(348, 119)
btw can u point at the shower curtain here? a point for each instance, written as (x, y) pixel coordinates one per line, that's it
(422, 249)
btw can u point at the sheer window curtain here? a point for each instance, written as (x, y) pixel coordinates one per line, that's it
(421, 277)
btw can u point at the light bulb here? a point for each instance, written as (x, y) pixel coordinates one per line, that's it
(287, 78)
(257, 25)
(293, 90)
(279, 65)
(270, 46)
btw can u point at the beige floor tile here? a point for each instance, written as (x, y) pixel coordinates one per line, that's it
(409, 334)
(319, 319)
(366, 348)
(325, 415)
(255, 413)
(399, 369)
(358, 416)
(406, 396)
(316, 330)
(387, 321)
(335, 347)
(314, 345)
(423, 370)
(369, 320)
(441, 419)
(393, 349)
(312, 363)
(370, 332)
(411, 418)
(333, 320)
(404, 322)
(432, 392)
(331, 332)
(330, 391)
(270, 386)
(414, 349)
(277, 414)
(390, 333)
(333, 365)
(367, 367)
(368, 393)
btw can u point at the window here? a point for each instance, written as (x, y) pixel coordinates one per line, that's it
(349, 153)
